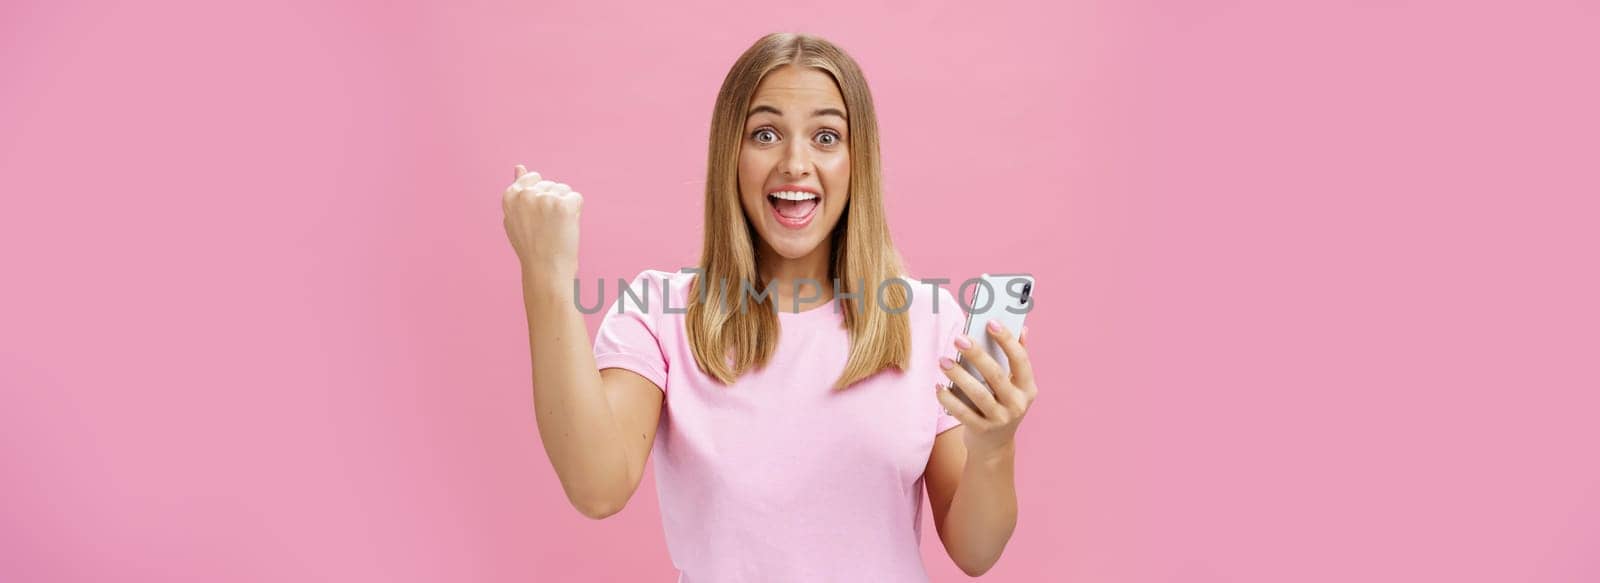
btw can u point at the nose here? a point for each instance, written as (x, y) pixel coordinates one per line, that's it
(796, 161)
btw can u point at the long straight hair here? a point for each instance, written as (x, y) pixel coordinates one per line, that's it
(728, 341)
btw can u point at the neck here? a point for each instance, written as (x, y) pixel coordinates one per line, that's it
(806, 277)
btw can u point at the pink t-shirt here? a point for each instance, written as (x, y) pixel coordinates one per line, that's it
(778, 477)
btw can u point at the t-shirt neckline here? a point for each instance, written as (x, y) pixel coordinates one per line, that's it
(826, 308)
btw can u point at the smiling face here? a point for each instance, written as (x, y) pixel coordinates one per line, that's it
(794, 161)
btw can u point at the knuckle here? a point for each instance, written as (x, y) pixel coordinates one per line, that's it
(985, 394)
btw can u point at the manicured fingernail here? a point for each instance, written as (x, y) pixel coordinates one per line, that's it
(994, 325)
(946, 363)
(962, 342)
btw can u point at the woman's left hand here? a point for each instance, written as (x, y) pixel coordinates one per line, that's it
(1001, 409)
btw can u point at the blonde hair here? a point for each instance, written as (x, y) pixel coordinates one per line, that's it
(728, 341)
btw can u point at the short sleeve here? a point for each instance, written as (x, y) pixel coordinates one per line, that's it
(950, 321)
(946, 422)
(628, 337)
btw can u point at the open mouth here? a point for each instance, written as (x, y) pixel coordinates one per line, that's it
(794, 208)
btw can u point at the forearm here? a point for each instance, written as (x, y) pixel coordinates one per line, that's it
(575, 421)
(983, 512)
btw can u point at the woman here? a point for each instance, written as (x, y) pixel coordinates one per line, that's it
(796, 430)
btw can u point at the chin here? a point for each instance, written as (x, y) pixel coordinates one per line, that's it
(794, 250)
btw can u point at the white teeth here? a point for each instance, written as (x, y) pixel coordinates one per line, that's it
(786, 195)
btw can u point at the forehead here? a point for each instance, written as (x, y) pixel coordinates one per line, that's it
(798, 85)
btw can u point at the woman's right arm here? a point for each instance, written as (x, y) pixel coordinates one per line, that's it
(597, 426)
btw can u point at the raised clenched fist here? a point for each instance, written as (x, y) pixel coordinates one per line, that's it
(542, 223)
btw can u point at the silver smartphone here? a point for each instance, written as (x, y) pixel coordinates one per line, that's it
(1006, 299)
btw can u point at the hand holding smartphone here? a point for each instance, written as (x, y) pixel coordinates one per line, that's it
(1006, 299)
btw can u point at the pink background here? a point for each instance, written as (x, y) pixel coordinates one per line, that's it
(1317, 280)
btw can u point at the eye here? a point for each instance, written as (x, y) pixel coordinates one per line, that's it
(833, 138)
(757, 135)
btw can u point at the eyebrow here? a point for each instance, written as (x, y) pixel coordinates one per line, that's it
(773, 110)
